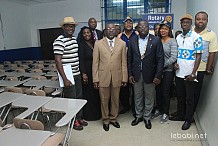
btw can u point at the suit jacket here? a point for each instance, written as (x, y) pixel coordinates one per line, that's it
(151, 65)
(109, 66)
(99, 34)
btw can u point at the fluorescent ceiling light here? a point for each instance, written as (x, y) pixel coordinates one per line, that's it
(120, 1)
(132, 7)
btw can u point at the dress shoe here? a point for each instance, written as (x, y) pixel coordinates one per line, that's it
(123, 111)
(147, 124)
(106, 127)
(186, 125)
(176, 118)
(136, 121)
(83, 122)
(174, 114)
(115, 124)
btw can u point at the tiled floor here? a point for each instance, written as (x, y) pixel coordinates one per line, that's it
(168, 134)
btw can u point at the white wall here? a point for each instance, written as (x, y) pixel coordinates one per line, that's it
(29, 19)
(178, 9)
(208, 106)
(15, 24)
(49, 15)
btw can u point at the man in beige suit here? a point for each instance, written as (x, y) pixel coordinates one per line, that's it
(109, 74)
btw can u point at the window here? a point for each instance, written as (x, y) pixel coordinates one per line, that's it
(117, 10)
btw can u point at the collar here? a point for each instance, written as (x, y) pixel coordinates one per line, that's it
(205, 30)
(146, 38)
(108, 40)
(188, 34)
(65, 35)
(133, 32)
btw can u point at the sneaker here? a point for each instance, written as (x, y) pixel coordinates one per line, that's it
(164, 118)
(83, 122)
(156, 114)
(77, 125)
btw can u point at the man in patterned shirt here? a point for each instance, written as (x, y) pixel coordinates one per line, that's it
(66, 52)
(190, 49)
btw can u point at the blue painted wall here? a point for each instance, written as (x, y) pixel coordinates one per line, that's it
(32, 53)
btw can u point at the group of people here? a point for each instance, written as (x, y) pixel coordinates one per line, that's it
(109, 67)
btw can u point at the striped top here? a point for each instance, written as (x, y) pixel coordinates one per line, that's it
(68, 48)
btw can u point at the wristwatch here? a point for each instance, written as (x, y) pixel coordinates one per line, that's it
(193, 75)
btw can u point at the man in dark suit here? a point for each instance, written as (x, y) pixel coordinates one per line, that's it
(97, 34)
(145, 67)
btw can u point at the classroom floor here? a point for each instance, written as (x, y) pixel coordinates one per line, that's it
(167, 134)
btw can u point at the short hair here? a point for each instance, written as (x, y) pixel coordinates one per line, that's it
(156, 24)
(143, 20)
(177, 33)
(91, 19)
(106, 25)
(201, 12)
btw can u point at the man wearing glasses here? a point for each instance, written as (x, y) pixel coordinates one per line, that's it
(109, 72)
(145, 67)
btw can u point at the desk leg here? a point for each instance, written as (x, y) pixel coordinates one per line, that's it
(68, 132)
(6, 114)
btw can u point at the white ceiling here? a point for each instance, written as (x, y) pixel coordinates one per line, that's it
(30, 2)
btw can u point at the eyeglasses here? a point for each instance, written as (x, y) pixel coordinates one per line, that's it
(143, 26)
(113, 29)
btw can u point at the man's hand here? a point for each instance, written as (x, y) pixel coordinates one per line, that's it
(96, 85)
(209, 72)
(190, 78)
(131, 80)
(156, 81)
(176, 66)
(85, 79)
(124, 84)
(67, 83)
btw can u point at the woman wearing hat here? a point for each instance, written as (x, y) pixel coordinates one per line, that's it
(170, 55)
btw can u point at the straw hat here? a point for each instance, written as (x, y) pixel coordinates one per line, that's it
(68, 20)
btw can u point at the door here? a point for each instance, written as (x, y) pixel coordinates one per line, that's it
(47, 37)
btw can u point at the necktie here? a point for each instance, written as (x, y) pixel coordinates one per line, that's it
(111, 44)
(94, 35)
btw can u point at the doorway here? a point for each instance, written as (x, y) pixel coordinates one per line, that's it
(47, 37)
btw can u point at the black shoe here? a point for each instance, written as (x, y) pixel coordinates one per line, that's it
(136, 121)
(106, 127)
(77, 126)
(176, 118)
(147, 124)
(115, 124)
(186, 125)
(123, 111)
(83, 122)
(174, 114)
